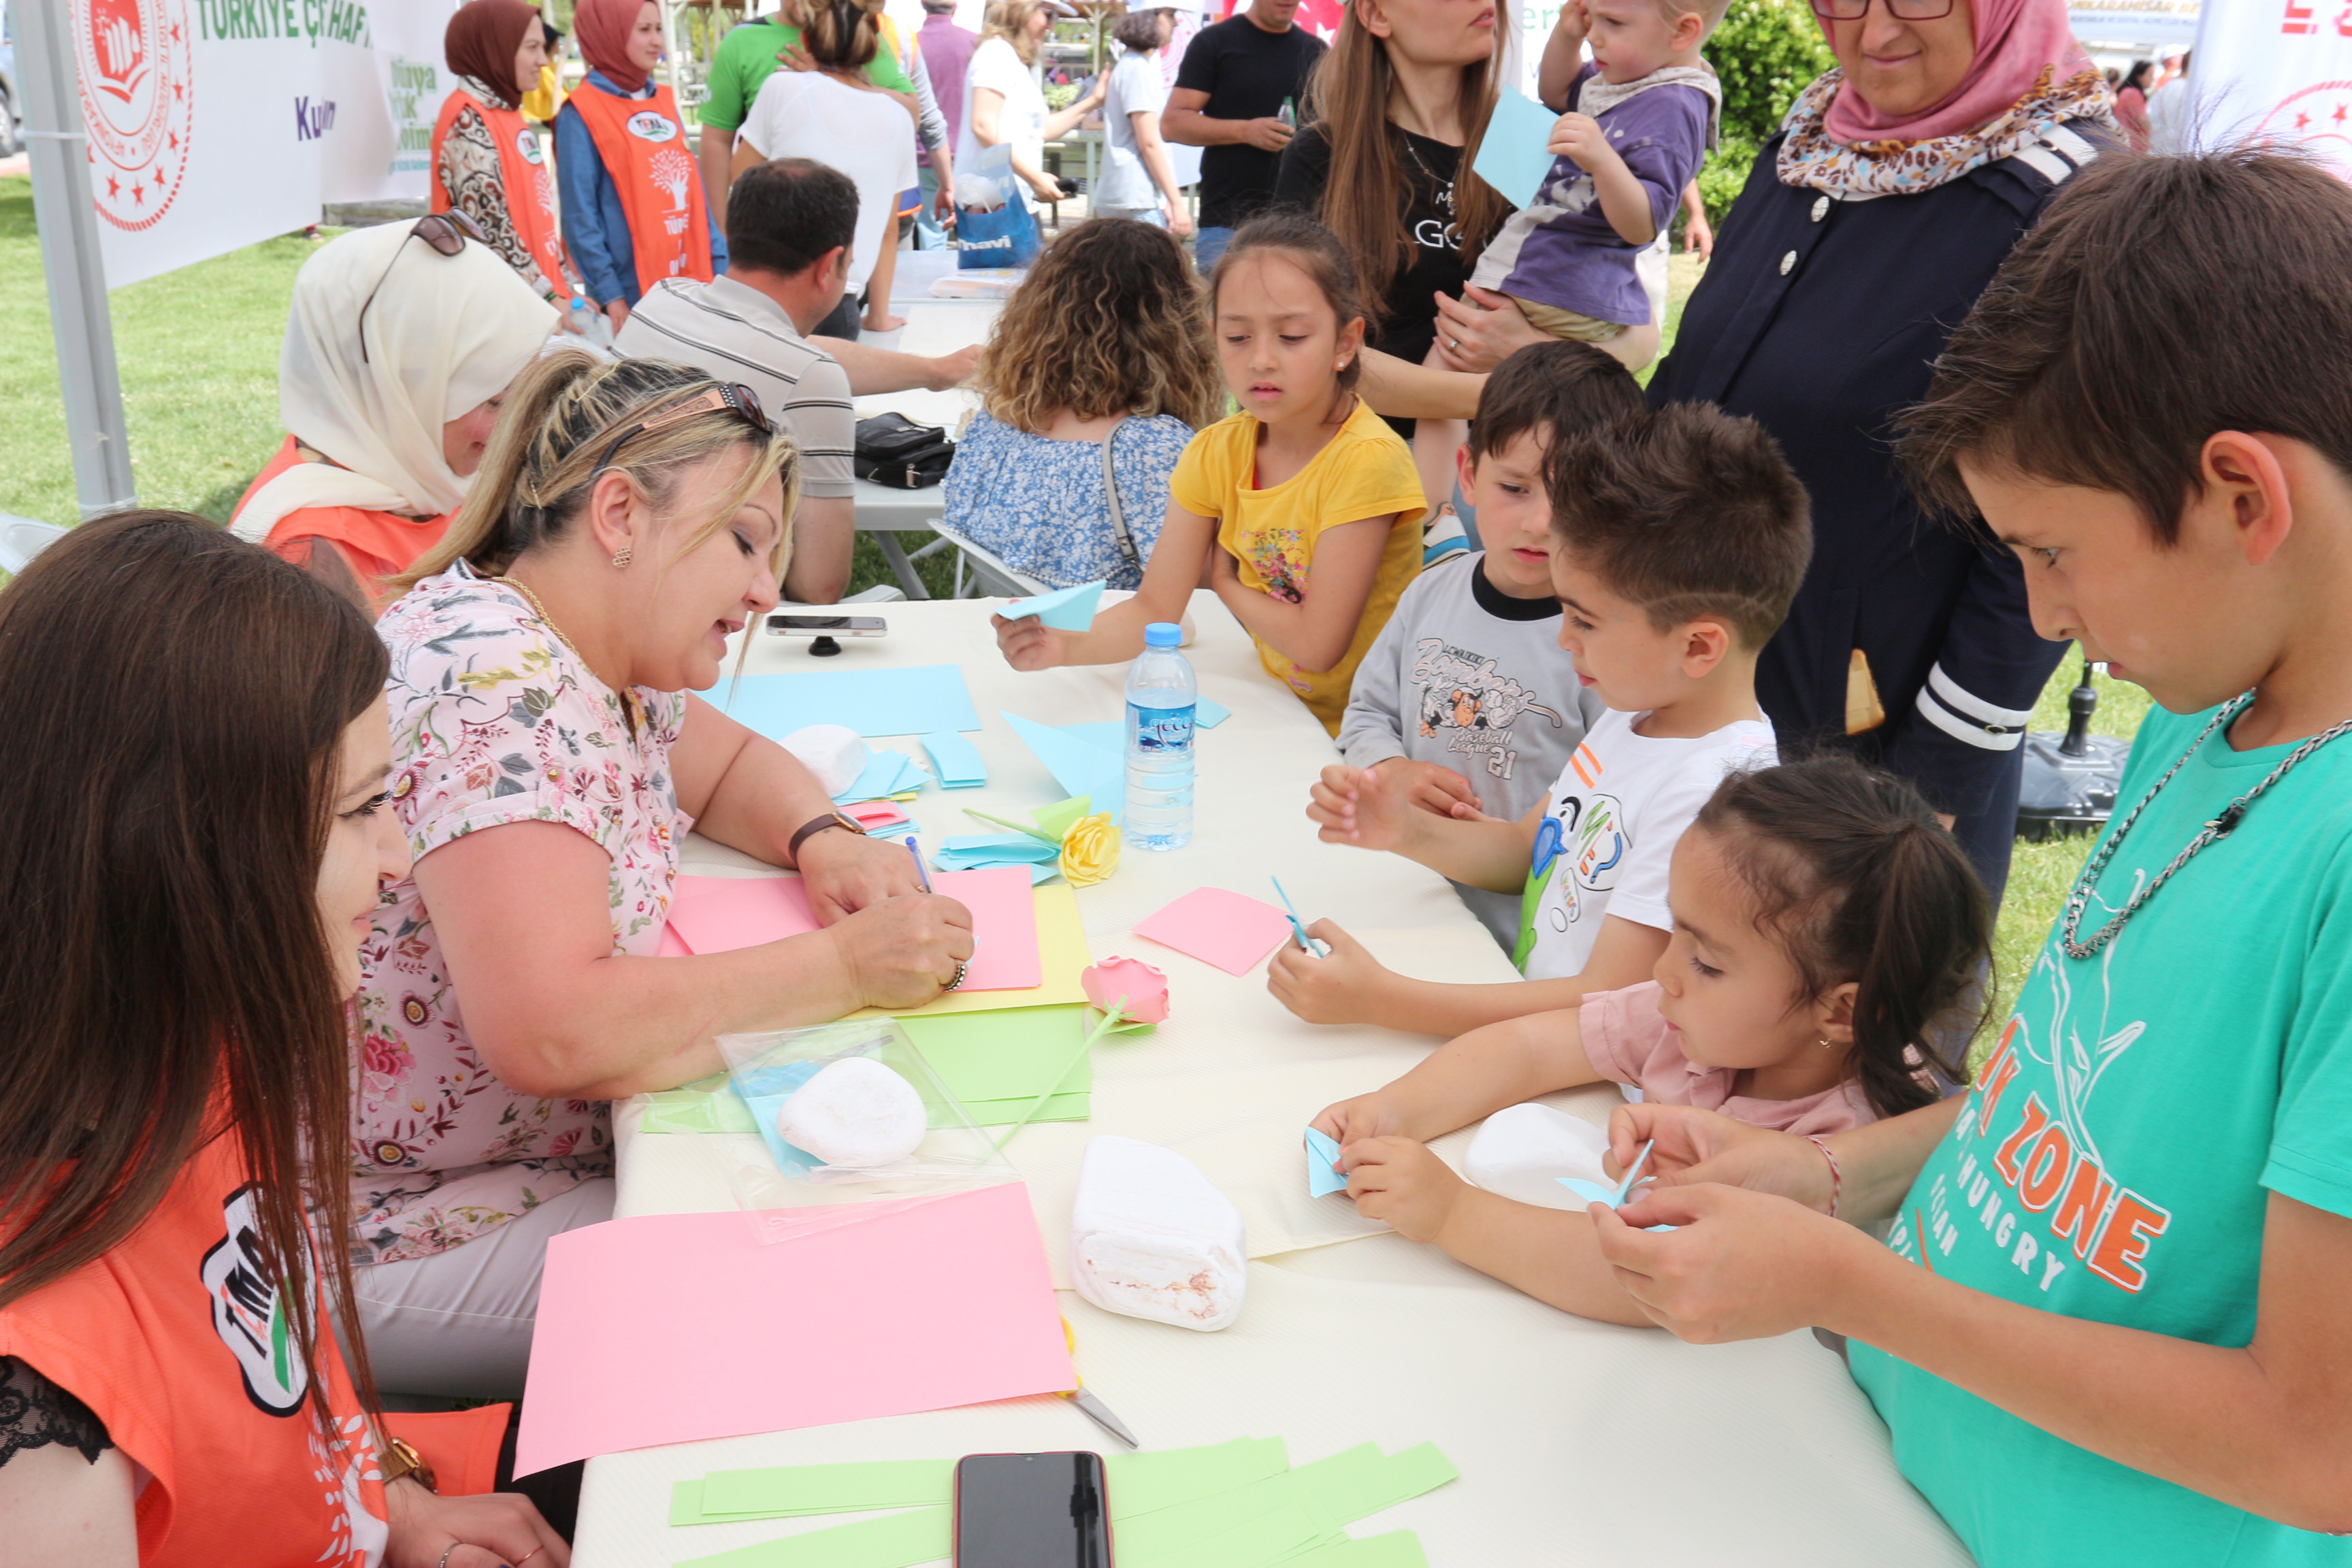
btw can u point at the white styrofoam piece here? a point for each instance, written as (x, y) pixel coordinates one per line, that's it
(1522, 1150)
(856, 1113)
(836, 753)
(1150, 1237)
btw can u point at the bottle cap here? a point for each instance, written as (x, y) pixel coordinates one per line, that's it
(1162, 634)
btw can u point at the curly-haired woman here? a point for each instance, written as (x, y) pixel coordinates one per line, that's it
(1104, 343)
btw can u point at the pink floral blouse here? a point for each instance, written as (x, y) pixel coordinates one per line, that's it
(494, 720)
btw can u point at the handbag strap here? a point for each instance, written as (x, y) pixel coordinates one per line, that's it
(1125, 539)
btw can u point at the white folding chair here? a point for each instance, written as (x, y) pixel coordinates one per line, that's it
(990, 574)
(21, 539)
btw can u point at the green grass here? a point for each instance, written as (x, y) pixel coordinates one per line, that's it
(198, 351)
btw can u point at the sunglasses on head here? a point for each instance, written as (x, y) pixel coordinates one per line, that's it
(1901, 10)
(447, 233)
(728, 398)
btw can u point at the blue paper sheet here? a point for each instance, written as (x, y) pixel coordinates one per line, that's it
(1208, 713)
(916, 700)
(1000, 848)
(1078, 762)
(1513, 156)
(1321, 1153)
(1065, 610)
(955, 760)
(888, 773)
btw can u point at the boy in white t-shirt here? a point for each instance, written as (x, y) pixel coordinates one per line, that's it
(1680, 537)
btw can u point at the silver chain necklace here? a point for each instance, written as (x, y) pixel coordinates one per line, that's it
(2219, 828)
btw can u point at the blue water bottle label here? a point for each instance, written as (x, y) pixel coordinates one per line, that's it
(1161, 730)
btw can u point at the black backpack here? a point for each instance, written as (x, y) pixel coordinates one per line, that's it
(894, 450)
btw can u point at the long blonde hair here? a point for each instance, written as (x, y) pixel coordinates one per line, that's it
(1363, 201)
(560, 418)
(1109, 320)
(1009, 20)
(843, 35)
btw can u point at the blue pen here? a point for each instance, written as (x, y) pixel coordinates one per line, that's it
(918, 854)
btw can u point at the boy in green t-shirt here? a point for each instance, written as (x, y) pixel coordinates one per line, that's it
(2112, 1322)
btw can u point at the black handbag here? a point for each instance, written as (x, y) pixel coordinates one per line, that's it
(894, 450)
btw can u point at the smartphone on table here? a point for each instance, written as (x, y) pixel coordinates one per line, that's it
(1031, 1510)
(827, 626)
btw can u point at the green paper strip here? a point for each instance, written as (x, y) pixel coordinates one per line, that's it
(1004, 1112)
(894, 1540)
(829, 1488)
(1025, 827)
(1147, 1482)
(685, 1503)
(1078, 1061)
(1397, 1548)
(1257, 1541)
(690, 1111)
(1349, 1493)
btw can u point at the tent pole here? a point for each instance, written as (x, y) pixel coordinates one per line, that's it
(72, 261)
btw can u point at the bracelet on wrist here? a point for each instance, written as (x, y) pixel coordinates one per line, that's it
(1837, 1177)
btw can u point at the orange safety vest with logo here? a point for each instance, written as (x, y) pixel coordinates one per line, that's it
(643, 144)
(178, 1342)
(523, 175)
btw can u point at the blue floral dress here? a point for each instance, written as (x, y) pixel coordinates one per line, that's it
(1039, 503)
(494, 720)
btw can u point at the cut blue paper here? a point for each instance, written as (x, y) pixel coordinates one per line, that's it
(1078, 762)
(768, 1090)
(886, 773)
(919, 699)
(1596, 1192)
(1004, 849)
(1513, 156)
(1064, 609)
(1208, 713)
(1104, 735)
(955, 760)
(1321, 1155)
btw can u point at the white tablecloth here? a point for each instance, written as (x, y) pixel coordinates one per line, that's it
(1578, 1442)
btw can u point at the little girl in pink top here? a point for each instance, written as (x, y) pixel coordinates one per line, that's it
(1828, 944)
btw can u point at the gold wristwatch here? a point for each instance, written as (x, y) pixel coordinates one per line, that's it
(399, 1458)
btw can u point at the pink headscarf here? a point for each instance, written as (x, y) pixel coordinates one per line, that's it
(2016, 41)
(602, 27)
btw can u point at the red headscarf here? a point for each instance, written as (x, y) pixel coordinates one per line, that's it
(602, 27)
(2016, 41)
(481, 41)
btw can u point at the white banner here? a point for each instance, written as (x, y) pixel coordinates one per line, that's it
(2151, 25)
(2276, 70)
(216, 123)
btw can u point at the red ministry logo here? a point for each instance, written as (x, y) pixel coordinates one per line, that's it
(136, 85)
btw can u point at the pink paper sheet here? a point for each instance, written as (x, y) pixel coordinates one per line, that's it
(1003, 926)
(719, 914)
(1225, 928)
(674, 1328)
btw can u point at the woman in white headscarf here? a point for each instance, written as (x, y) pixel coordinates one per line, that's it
(401, 342)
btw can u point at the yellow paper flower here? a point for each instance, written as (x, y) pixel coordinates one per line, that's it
(1090, 850)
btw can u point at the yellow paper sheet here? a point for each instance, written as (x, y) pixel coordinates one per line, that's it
(1061, 953)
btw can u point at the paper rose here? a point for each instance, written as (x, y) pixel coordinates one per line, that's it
(1090, 850)
(1134, 987)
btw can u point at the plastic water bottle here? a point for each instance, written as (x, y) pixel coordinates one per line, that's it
(590, 322)
(1289, 115)
(1160, 697)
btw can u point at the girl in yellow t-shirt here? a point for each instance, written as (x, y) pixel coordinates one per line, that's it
(1302, 511)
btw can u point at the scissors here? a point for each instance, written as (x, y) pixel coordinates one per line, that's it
(1096, 1411)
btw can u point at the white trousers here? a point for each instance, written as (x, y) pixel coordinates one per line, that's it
(459, 1324)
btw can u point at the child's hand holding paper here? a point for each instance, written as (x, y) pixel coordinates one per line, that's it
(1379, 1114)
(1398, 1182)
(1339, 987)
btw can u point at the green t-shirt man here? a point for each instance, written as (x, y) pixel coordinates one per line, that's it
(747, 57)
(2113, 1161)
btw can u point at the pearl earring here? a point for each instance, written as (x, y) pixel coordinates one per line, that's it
(623, 557)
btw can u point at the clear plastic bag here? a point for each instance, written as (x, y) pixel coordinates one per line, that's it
(788, 1191)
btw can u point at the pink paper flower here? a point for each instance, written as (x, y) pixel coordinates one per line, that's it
(1143, 988)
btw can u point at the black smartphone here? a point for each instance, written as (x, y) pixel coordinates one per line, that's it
(827, 626)
(1031, 1510)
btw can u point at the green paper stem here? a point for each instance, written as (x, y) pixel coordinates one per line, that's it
(1003, 822)
(1118, 1011)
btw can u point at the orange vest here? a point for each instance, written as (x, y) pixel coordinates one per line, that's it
(176, 1340)
(374, 545)
(643, 144)
(522, 176)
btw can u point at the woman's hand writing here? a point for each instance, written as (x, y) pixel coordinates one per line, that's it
(901, 952)
(1481, 330)
(1341, 987)
(497, 1530)
(843, 873)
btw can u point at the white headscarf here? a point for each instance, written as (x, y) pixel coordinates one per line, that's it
(445, 334)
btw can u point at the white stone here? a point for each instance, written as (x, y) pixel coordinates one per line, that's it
(1152, 1238)
(1520, 1152)
(855, 1114)
(836, 753)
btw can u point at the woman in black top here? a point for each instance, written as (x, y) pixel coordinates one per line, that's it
(1401, 98)
(1866, 231)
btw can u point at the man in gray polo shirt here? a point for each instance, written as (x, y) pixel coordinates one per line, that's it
(790, 223)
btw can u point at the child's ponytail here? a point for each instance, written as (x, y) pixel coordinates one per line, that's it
(1850, 868)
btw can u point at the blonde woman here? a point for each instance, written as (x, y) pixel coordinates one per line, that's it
(1106, 342)
(1002, 102)
(547, 762)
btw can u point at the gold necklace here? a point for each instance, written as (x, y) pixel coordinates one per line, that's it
(628, 694)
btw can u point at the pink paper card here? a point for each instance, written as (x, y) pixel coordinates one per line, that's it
(1217, 927)
(672, 944)
(940, 1304)
(719, 914)
(1003, 926)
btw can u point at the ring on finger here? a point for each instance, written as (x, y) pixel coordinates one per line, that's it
(448, 1549)
(963, 967)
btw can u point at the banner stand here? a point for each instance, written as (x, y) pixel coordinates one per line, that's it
(72, 262)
